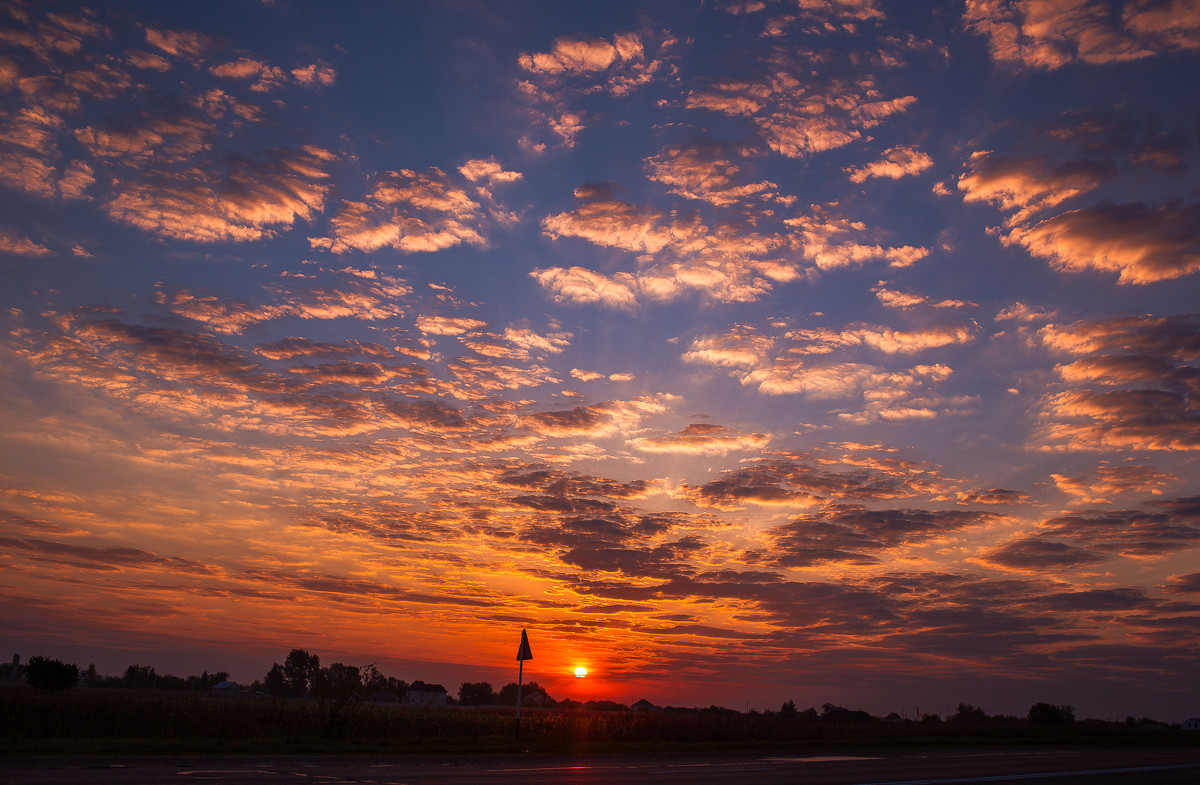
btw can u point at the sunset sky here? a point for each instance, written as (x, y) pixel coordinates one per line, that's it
(740, 350)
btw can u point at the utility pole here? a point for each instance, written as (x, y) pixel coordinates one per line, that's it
(523, 653)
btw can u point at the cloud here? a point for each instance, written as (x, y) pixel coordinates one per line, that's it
(597, 420)
(247, 199)
(1142, 243)
(799, 106)
(702, 439)
(448, 325)
(740, 346)
(84, 557)
(819, 341)
(1169, 525)
(353, 296)
(163, 137)
(314, 74)
(832, 242)
(186, 44)
(891, 298)
(826, 364)
(1113, 481)
(1029, 185)
(617, 67)
(709, 173)
(489, 170)
(733, 261)
(18, 245)
(413, 212)
(853, 534)
(1165, 527)
(1130, 384)
(806, 482)
(581, 285)
(1048, 34)
(895, 163)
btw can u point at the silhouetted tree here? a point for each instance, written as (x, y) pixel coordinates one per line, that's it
(1049, 714)
(968, 713)
(508, 694)
(478, 693)
(139, 677)
(275, 683)
(51, 675)
(300, 671)
(788, 710)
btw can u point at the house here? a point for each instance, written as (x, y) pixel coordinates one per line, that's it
(421, 694)
(227, 688)
(644, 705)
(1192, 723)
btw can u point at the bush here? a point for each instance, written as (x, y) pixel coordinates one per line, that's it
(51, 675)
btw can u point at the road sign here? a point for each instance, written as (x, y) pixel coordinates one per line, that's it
(523, 653)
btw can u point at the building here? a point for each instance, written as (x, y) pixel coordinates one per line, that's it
(421, 694)
(1192, 723)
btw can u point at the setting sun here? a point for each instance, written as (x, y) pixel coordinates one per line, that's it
(580, 672)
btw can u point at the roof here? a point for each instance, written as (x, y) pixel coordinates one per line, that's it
(420, 686)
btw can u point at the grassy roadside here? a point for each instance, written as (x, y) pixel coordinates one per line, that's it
(100, 722)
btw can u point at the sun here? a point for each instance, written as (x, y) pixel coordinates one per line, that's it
(580, 672)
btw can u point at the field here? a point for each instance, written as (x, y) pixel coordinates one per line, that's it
(94, 721)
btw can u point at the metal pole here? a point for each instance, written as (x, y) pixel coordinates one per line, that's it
(520, 680)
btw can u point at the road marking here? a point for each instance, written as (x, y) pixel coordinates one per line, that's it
(1037, 775)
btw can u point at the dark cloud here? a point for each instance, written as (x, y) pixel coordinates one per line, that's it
(855, 535)
(793, 481)
(84, 557)
(562, 483)
(1132, 532)
(1033, 553)
(1185, 584)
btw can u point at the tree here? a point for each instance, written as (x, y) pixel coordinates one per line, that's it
(51, 675)
(968, 713)
(1049, 714)
(300, 671)
(788, 710)
(275, 683)
(140, 677)
(339, 691)
(508, 694)
(478, 693)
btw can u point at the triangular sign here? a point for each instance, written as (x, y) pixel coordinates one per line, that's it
(524, 653)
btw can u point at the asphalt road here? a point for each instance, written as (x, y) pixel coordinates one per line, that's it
(893, 767)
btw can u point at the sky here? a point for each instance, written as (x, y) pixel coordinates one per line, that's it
(741, 351)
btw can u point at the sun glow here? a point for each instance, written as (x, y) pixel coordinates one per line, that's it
(580, 672)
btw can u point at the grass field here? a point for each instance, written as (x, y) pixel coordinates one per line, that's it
(95, 721)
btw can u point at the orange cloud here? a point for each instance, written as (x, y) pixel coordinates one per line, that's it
(702, 439)
(249, 200)
(411, 212)
(1049, 34)
(1141, 243)
(707, 173)
(896, 162)
(18, 245)
(1130, 386)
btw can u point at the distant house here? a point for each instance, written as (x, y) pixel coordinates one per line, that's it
(421, 694)
(644, 705)
(1192, 723)
(227, 688)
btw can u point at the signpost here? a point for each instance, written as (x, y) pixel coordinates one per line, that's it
(523, 653)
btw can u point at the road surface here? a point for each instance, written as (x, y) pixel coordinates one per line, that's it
(1102, 766)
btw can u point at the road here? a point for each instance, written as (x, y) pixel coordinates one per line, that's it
(893, 767)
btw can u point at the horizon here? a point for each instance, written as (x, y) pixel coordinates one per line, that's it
(744, 351)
